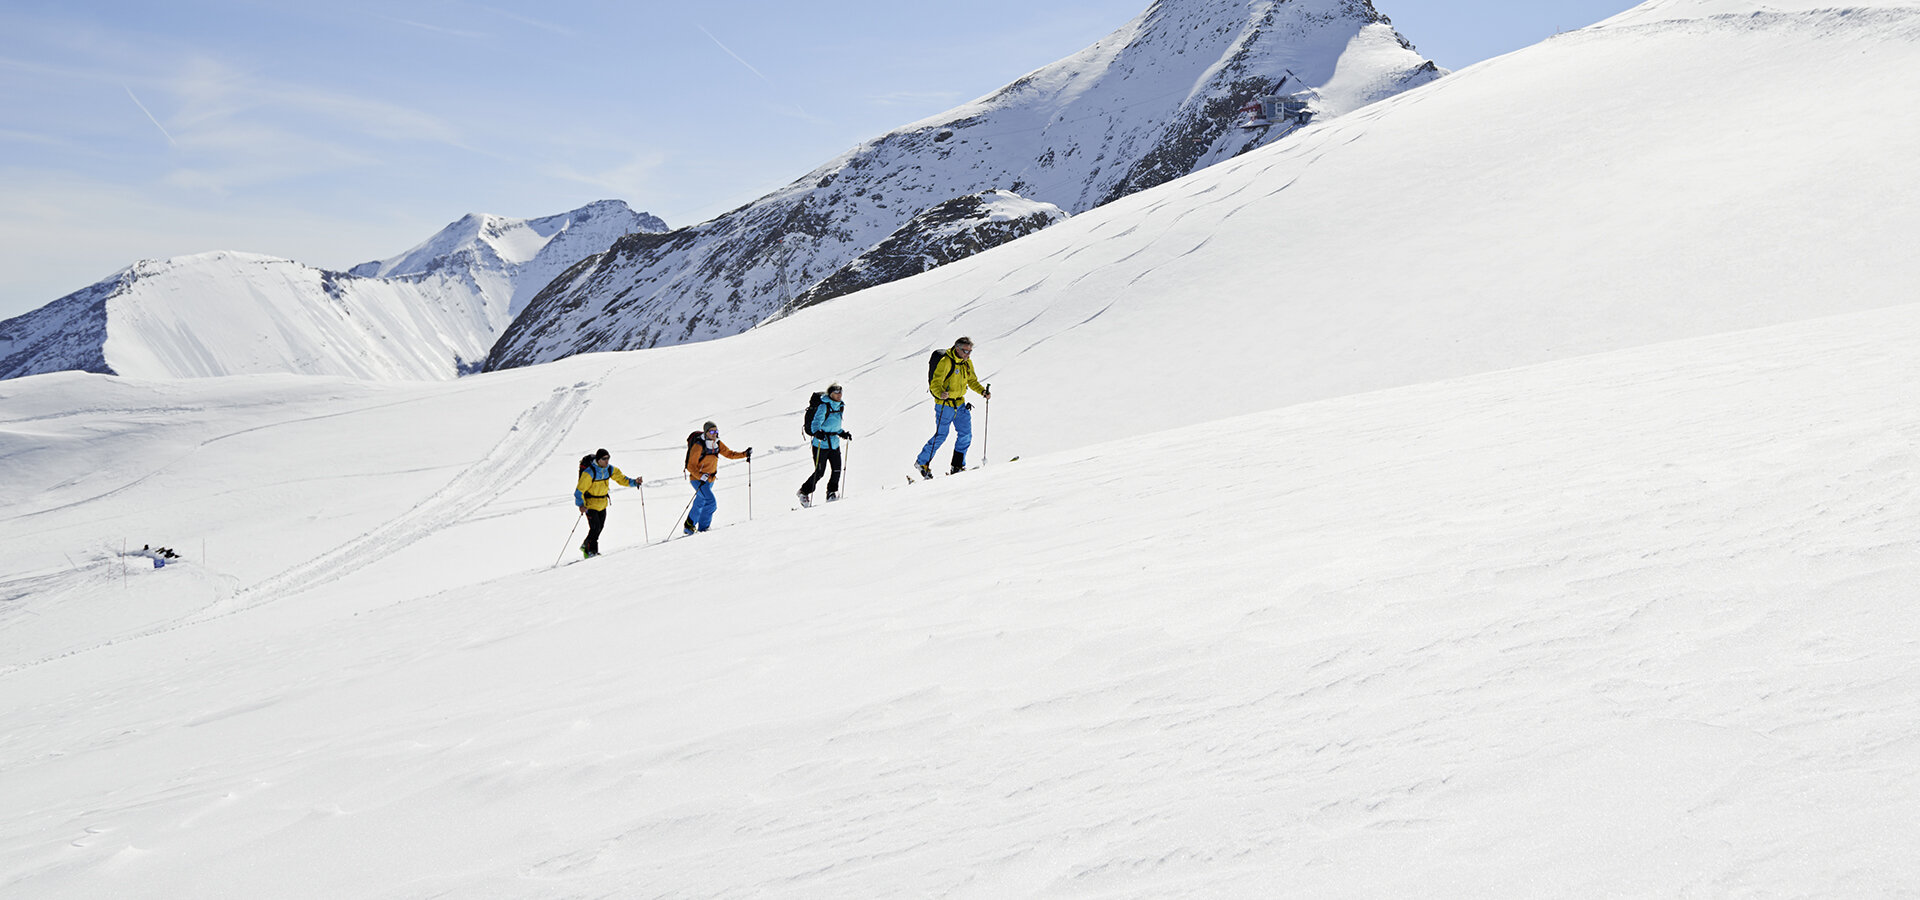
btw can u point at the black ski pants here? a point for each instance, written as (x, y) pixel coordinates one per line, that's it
(822, 457)
(596, 520)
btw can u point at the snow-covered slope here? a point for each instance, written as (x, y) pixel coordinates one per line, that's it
(431, 313)
(226, 313)
(1151, 102)
(1637, 624)
(1486, 618)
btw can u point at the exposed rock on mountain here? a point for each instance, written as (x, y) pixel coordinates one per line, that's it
(1153, 101)
(951, 231)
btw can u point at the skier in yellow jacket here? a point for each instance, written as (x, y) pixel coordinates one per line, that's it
(951, 376)
(597, 473)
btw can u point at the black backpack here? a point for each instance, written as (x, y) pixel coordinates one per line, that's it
(813, 406)
(586, 462)
(933, 363)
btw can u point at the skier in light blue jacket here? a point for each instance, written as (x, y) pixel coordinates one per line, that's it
(827, 433)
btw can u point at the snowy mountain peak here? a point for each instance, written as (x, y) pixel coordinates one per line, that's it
(516, 242)
(429, 313)
(1155, 100)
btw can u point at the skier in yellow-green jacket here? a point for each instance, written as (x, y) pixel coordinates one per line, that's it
(950, 375)
(597, 474)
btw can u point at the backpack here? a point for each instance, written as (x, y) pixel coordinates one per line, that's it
(933, 363)
(813, 406)
(586, 462)
(697, 439)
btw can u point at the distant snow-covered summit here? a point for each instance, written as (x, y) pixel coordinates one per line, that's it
(429, 313)
(1153, 101)
(530, 252)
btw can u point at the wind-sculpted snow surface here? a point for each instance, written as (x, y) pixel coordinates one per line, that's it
(1151, 102)
(1637, 624)
(431, 313)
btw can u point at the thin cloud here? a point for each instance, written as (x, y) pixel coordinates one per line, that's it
(14, 136)
(438, 29)
(635, 177)
(218, 98)
(560, 30)
(150, 118)
(918, 98)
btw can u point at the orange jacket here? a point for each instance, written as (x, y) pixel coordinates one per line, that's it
(704, 466)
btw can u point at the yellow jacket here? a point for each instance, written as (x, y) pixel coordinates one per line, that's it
(592, 490)
(951, 377)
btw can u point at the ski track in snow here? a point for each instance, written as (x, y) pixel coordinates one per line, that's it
(534, 438)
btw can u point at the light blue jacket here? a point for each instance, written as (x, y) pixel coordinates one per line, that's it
(826, 419)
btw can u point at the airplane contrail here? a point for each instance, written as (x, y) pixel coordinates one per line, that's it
(729, 50)
(150, 118)
(716, 41)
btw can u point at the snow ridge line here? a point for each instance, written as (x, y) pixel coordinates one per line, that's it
(1886, 23)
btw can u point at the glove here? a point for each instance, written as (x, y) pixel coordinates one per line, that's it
(845, 436)
(749, 454)
(707, 478)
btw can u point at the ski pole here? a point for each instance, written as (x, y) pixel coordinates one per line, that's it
(846, 466)
(749, 484)
(646, 533)
(986, 425)
(576, 527)
(680, 526)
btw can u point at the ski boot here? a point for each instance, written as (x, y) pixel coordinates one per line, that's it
(926, 472)
(806, 499)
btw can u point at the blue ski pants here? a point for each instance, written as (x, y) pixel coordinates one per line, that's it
(960, 419)
(701, 513)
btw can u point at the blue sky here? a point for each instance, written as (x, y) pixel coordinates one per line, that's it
(342, 132)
